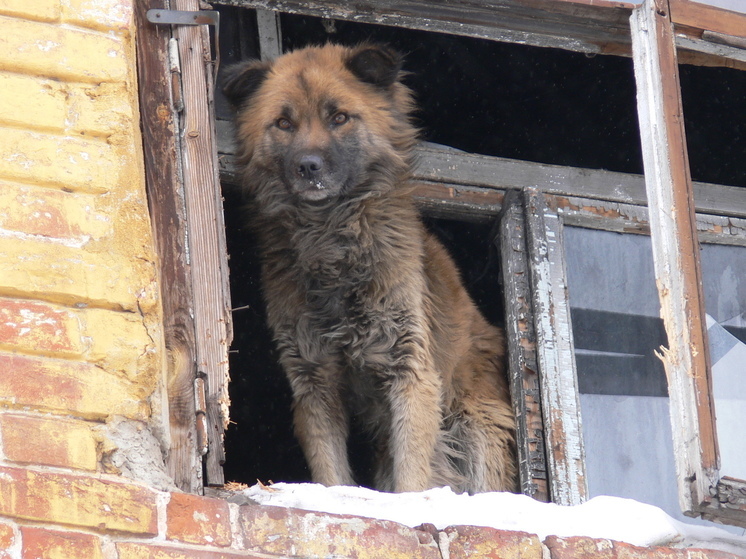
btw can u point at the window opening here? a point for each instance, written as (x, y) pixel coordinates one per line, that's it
(535, 103)
(502, 99)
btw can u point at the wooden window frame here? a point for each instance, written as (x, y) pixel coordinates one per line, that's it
(684, 32)
(175, 70)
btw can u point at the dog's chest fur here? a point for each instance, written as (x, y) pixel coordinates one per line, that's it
(353, 297)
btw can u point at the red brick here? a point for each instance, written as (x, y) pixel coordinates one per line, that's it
(78, 500)
(7, 539)
(74, 387)
(489, 543)
(709, 554)
(198, 520)
(292, 532)
(39, 326)
(147, 551)
(583, 547)
(49, 544)
(51, 441)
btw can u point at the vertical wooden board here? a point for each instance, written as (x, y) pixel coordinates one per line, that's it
(521, 338)
(206, 233)
(168, 215)
(675, 252)
(555, 352)
(270, 34)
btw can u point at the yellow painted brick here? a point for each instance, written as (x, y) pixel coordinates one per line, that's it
(54, 544)
(78, 500)
(65, 216)
(102, 109)
(123, 343)
(65, 161)
(148, 550)
(33, 101)
(49, 441)
(75, 387)
(66, 274)
(99, 14)
(62, 52)
(118, 342)
(42, 10)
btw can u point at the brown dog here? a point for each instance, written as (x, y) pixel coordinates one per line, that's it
(367, 308)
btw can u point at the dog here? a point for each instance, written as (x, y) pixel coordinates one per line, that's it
(367, 309)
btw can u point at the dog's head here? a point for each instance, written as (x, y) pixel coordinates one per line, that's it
(323, 121)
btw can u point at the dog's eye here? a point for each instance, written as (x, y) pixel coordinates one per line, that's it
(283, 124)
(340, 118)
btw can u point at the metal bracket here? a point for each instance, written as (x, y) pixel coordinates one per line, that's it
(199, 17)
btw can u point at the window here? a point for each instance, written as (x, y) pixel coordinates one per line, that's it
(525, 60)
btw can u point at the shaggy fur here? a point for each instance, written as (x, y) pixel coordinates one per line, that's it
(367, 308)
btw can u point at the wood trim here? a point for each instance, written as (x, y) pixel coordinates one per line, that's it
(159, 120)
(206, 233)
(270, 34)
(586, 26)
(731, 502)
(523, 371)
(457, 167)
(675, 252)
(555, 352)
(710, 18)
(439, 164)
(607, 4)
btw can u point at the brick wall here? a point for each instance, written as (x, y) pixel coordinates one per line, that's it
(55, 515)
(81, 356)
(80, 326)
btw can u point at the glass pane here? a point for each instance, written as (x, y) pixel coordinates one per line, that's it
(724, 278)
(623, 389)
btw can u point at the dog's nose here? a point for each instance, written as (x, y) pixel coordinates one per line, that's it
(310, 165)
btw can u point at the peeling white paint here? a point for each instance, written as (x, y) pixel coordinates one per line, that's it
(71, 242)
(47, 46)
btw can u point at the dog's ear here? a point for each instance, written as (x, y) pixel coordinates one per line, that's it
(242, 80)
(375, 64)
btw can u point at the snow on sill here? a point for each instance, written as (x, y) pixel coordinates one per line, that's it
(611, 518)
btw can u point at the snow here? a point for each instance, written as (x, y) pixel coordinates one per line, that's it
(601, 517)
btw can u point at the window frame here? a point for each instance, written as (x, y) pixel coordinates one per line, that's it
(456, 182)
(175, 72)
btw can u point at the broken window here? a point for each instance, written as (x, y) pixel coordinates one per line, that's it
(531, 100)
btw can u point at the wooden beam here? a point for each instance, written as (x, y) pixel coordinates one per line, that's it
(523, 371)
(159, 121)
(206, 233)
(704, 17)
(555, 352)
(439, 164)
(584, 26)
(270, 34)
(675, 252)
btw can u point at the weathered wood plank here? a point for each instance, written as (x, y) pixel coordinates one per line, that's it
(675, 252)
(456, 167)
(522, 367)
(270, 34)
(711, 18)
(453, 167)
(731, 502)
(168, 215)
(555, 352)
(206, 233)
(710, 53)
(579, 26)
